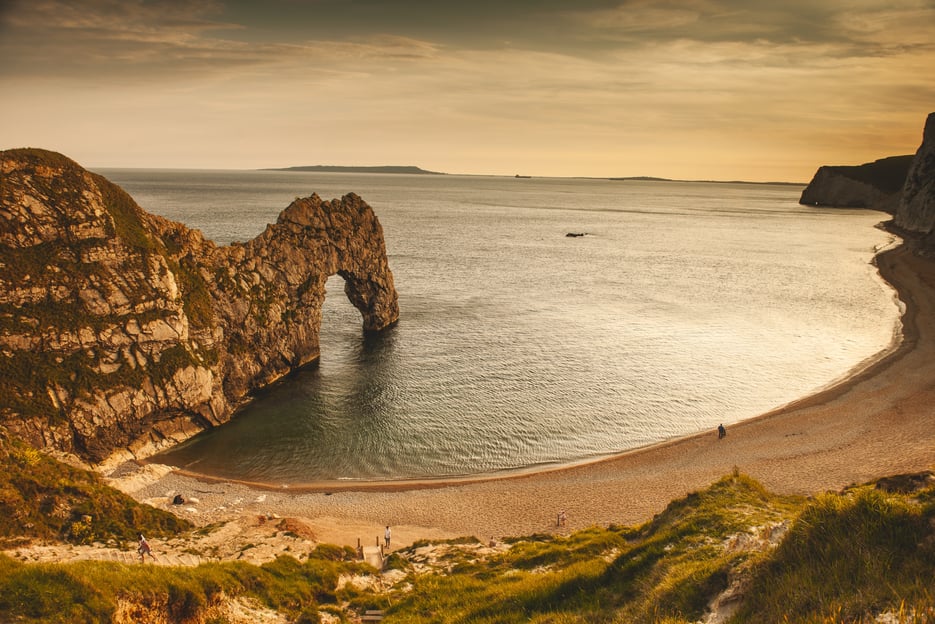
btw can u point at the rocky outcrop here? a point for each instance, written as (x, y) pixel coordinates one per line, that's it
(916, 211)
(123, 331)
(874, 185)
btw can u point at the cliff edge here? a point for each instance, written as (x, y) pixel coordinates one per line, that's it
(874, 185)
(916, 211)
(122, 333)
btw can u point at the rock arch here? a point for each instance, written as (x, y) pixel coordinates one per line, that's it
(172, 331)
(290, 263)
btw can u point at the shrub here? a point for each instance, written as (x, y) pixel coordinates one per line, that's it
(45, 498)
(847, 556)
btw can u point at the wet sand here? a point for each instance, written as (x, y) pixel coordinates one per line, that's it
(878, 421)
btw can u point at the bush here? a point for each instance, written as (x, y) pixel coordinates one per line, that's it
(41, 497)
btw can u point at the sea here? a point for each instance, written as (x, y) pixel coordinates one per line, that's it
(681, 306)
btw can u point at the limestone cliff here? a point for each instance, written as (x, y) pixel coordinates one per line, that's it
(122, 331)
(916, 210)
(872, 185)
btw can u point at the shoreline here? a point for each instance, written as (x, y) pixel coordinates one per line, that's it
(872, 422)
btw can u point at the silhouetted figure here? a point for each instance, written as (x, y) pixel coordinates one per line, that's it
(721, 432)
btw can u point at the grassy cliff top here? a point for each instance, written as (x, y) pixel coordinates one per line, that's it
(886, 174)
(42, 498)
(733, 549)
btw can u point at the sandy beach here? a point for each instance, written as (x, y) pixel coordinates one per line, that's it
(876, 422)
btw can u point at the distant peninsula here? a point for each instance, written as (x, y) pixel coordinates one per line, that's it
(339, 169)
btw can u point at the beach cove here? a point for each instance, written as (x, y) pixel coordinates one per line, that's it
(875, 422)
(685, 305)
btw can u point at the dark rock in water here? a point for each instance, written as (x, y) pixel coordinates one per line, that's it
(874, 185)
(916, 210)
(122, 333)
(575, 234)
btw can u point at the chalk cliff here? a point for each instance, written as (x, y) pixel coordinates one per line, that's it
(122, 332)
(916, 210)
(874, 185)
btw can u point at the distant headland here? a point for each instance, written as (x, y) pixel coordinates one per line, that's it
(339, 169)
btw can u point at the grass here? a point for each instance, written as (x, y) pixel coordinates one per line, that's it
(864, 551)
(127, 217)
(41, 498)
(844, 557)
(91, 591)
(27, 375)
(669, 568)
(886, 174)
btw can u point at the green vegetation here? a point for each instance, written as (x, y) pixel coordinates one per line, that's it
(63, 267)
(197, 302)
(845, 557)
(46, 499)
(26, 376)
(92, 591)
(127, 216)
(886, 174)
(669, 568)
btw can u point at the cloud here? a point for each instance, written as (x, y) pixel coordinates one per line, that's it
(600, 89)
(115, 19)
(95, 37)
(804, 22)
(119, 41)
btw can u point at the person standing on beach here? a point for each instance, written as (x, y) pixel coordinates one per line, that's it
(386, 536)
(721, 432)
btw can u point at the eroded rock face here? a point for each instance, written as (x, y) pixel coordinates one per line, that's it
(916, 210)
(874, 185)
(120, 330)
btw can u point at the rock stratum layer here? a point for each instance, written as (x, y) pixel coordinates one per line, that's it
(916, 211)
(122, 333)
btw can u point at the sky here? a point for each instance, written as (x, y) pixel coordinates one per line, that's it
(690, 89)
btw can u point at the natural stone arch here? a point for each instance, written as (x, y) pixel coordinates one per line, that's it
(175, 331)
(290, 263)
(376, 303)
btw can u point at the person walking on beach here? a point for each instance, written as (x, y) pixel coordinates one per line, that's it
(386, 537)
(721, 432)
(144, 549)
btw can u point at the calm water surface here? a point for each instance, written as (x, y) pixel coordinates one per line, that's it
(684, 306)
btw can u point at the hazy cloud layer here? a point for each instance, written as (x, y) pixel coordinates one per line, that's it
(685, 88)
